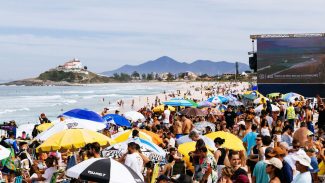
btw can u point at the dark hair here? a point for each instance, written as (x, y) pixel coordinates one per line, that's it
(266, 140)
(254, 127)
(149, 164)
(231, 153)
(219, 141)
(303, 124)
(200, 143)
(203, 149)
(51, 160)
(95, 146)
(264, 122)
(132, 145)
(135, 133)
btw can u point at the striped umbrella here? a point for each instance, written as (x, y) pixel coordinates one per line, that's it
(181, 102)
(104, 170)
(144, 134)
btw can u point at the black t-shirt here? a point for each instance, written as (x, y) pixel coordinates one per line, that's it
(230, 117)
(321, 118)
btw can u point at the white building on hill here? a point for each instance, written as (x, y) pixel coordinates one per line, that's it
(73, 64)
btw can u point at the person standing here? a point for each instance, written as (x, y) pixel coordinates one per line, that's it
(166, 116)
(291, 115)
(250, 138)
(230, 117)
(187, 125)
(134, 160)
(273, 168)
(303, 166)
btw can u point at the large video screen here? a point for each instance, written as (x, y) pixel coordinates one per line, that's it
(291, 60)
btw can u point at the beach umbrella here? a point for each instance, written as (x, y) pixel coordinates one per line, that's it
(186, 138)
(260, 108)
(134, 116)
(218, 99)
(155, 137)
(193, 112)
(103, 170)
(205, 104)
(231, 98)
(287, 96)
(43, 127)
(161, 108)
(4, 152)
(214, 111)
(68, 124)
(252, 95)
(181, 102)
(84, 114)
(222, 108)
(235, 103)
(185, 148)
(260, 99)
(148, 148)
(200, 126)
(271, 95)
(231, 141)
(127, 134)
(73, 139)
(117, 120)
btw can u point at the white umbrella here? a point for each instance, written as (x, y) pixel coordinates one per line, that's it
(134, 116)
(4, 152)
(260, 108)
(104, 170)
(148, 148)
(259, 100)
(70, 123)
(200, 126)
(186, 138)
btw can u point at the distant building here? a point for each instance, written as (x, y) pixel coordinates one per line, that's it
(73, 64)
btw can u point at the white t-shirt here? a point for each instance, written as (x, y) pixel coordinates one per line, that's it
(172, 142)
(135, 162)
(48, 174)
(302, 178)
(166, 114)
(269, 120)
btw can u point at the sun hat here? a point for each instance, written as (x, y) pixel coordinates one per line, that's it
(275, 162)
(303, 159)
(277, 151)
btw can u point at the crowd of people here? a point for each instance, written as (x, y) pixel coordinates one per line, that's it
(286, 145)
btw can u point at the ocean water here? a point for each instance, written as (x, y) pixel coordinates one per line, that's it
(24, 104)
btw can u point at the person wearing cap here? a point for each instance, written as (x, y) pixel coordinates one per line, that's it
(259, 174)
(286, 169)
(273, 168)
(303, 166)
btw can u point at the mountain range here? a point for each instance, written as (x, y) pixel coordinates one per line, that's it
(167, 64)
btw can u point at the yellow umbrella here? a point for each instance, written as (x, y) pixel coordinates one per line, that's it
(43, 127)
(161, 108)
(231, 140)
(187, 147)
(73, 139)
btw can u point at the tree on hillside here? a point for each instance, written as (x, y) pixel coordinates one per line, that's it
(135, 74)
(149, 76)
(170, 77)
(143, 76)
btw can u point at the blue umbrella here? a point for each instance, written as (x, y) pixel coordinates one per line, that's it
(287, 96)
(84, 114)
(117, 119)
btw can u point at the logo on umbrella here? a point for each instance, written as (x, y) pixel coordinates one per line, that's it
(71, 125)
(96, 173)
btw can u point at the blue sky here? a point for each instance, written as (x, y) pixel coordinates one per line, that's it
(36, 35)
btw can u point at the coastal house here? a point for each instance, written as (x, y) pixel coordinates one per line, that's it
(73, 64)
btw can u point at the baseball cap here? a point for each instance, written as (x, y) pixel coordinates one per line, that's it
(303, 159)
(275, 162)
(277, 151)
(163, 177)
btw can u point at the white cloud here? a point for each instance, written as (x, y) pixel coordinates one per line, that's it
(107, 34)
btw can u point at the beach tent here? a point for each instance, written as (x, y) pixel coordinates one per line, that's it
(117, 120)
(68, 124)
(103, 170)
(73, 139)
